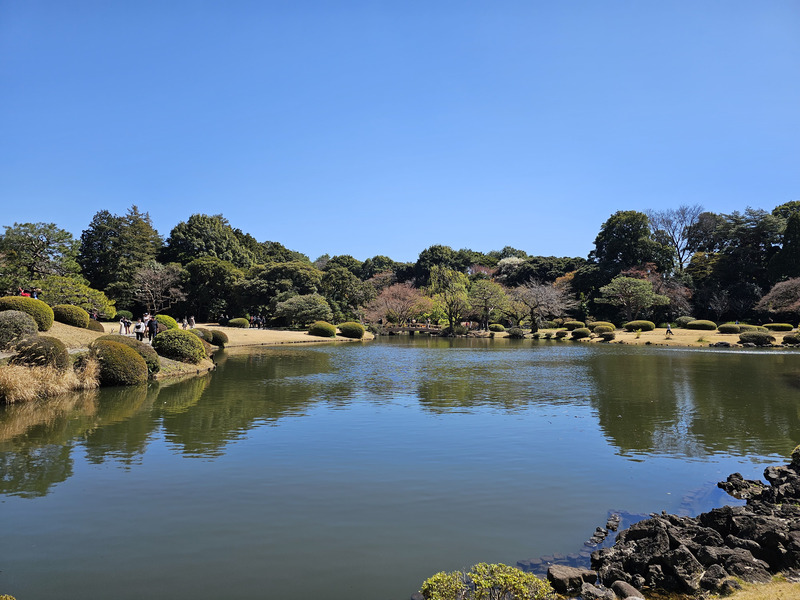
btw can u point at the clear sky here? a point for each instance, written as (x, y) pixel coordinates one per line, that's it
(373, 127)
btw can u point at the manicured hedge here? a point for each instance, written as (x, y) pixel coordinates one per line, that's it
(607, 336)
(219, 338)
(682, 321)
(791, 339)
(167, 321)
(496, 327)
(778, 326)
(759, 338)
(351, 330)
(572, 325)
(548, 325)
(146, 351)
(71, 315)
(119, 364)
(580, 333)
(701, 324)
(322, 329)
(596, 324)
(729, 328)
(42, 351)
(124, 313)
(40, 311)
(743, 327)
(96, 326)
(239, 322)
(516, 333)
(16, 325)
(179, 345)
(561, 333)
(599, 329)
(202, 333)
(639, 326)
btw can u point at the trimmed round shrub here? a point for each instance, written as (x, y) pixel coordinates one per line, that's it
(791, 339)
(71, 315)
(146, 351)
(682, 321)
(16, 325)
(179, 345)
(219, 338)
(496, 327)
(119, 364)
(580, 333)
(759, 338)
(596, 324)
(352, 330)
(607, 336)
(96, 326)
(561, 333)
(572, 325)
(42, 351)
(516, 333)
(239, 322)
(641, 326)
(729, 328)
(124, 313)
(743, 327)
(761, 328)
(202, 333)
(167, 321)
(536, 335)
(549, 325)
(778, 326)
(548, 335)
(40, 311)
(558, 322)
(701, 324)
(322, 329)
(602, 329)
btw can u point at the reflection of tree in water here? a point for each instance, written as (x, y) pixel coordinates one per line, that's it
(31, 471)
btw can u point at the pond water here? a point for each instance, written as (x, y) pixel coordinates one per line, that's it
(355, 471)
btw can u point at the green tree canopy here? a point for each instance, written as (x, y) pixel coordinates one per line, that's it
(209, 286)
(449, 290)
(56, 289)
(32, 251)
(304, 309)
(625, 241)
(204, 235)
(486, 298)
(631, 295)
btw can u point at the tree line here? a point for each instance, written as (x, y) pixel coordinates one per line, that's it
(653, 264)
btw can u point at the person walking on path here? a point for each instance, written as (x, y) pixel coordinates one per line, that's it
(669, 330)
(138, 329)
(152, 329)
(191, 322)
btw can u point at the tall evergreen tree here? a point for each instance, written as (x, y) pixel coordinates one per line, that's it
(786, 262)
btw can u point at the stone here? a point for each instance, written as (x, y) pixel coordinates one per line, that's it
(568, 579)
(591, 592)
(417, 596)
(684, 568)
(713, 578)
(626, 590)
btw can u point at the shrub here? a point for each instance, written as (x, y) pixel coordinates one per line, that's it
(496, 327)
(571, 325)
(580, 333)
(203, 334)
(179, 345)
(484, 581)
(558, 322)
(239, 322)
(701, 324)
(95, 326)
(119, 363)
(761, 328)
(729, 328)
(607, 336)
(42, 351)
(14, 326)
(602, 329)
(640, 326)
(516, 333)
(71, 315)
(744, 327)
(549, 325)
(146, 351)
(548, 335)
(682, 321)
(219, 338)
(351, 329)
(536, 335)
(778, 326)
(561, 333)
(124, 313)
(322, 329)
(759, 338)
(40, 311)
(596, 324)
(791, 339)
(167, 321)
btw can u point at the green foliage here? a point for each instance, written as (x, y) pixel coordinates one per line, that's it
(322, 329)
(119, 363)
(607, 336)
(179, 345)
(445, 586)
(701, 324)
(639, 326)
(207, 235)
(572, 325)
(32, 251)
(549, 324)
(596, 324)
(124, 313)
(791, 339)
(625, 241)
(146, 351)
(516, 333)
(449, 290)
(631, 295)
(759, 338)
(219, 338)
(778, 326)
(598, 329)
(561, 333)
(729, 328)
(496, 327)
(682, 321)
(95, 326)
(796, 457)
(744, 327)
(68, 290)
(486, 582)
(203, 333)
(239, 322)
(71, 315)
(40, 311)
(351, 330)
(303, 310)
(15, 325)
(167, 321)
(266, 286)
(42, 351)
(580, 333)
(209, 283)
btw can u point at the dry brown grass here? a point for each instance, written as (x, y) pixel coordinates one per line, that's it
(777, 590)
(22, 384)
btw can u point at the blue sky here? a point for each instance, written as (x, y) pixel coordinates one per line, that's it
(375, 127)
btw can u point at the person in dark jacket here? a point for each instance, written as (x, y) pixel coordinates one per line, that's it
(152, 329)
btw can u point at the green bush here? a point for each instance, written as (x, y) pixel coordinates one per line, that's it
(119, 363)
(516, 333)
(71, 315)
(42, 351)
(596, 324)
(759, 338)
(548, 335)
(95, 326)
(561, 333)
(536, 335)
(571, 325)
(639, 326)
(124, 313)
(743, 327)
(219, 338)
(549, 325)
(496, 327)
(598, 329)
(729, 328)
(40, 311)
(791, 339)
(778, 326)
(351, 329)
(179, 345)
(202, 333)
(16, 325)
(558, 322)
(607, 336)
(682, 321)
(485, 581)
(322, 329)
(146, 351)
(239, 322)
(167, 321)
(580, 333)
(701, 324)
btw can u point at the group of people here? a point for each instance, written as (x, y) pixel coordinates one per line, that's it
(145, 325)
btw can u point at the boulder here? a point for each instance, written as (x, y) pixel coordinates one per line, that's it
(569, 579)
(591, 592)
(626, 590)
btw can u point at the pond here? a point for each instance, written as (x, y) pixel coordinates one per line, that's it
(355, 471)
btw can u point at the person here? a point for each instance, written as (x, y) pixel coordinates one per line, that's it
(669, 330)
(152, 329)
(127, 326)
(138, 329)
(184, 322)
(24, 293)
(122, 325)
(191, 322)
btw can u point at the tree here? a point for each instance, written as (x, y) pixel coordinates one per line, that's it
(786, 210)
(377, 264)
(485, 297)
(275, 282)
(56, 289)
(544, 301)
(631, 295)
(344, 290)
(209, 283)
(625, 241)
(437, 255)
(345, 261)
(304, 309)
(398, 303)
(449, 291)
(204, 235)
(783, 300)
(157, 286)
(675, 225)
(32, 251)
(786, 262)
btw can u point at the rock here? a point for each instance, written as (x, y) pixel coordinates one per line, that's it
(568, 579)
(713, 578)
(591, 592)
(626, 590)
(684, 569)
(729, 586)
(417, 596)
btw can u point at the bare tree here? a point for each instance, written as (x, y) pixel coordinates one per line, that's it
(674, 225)
(157, 286)
(399, 302)
(544, 300)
